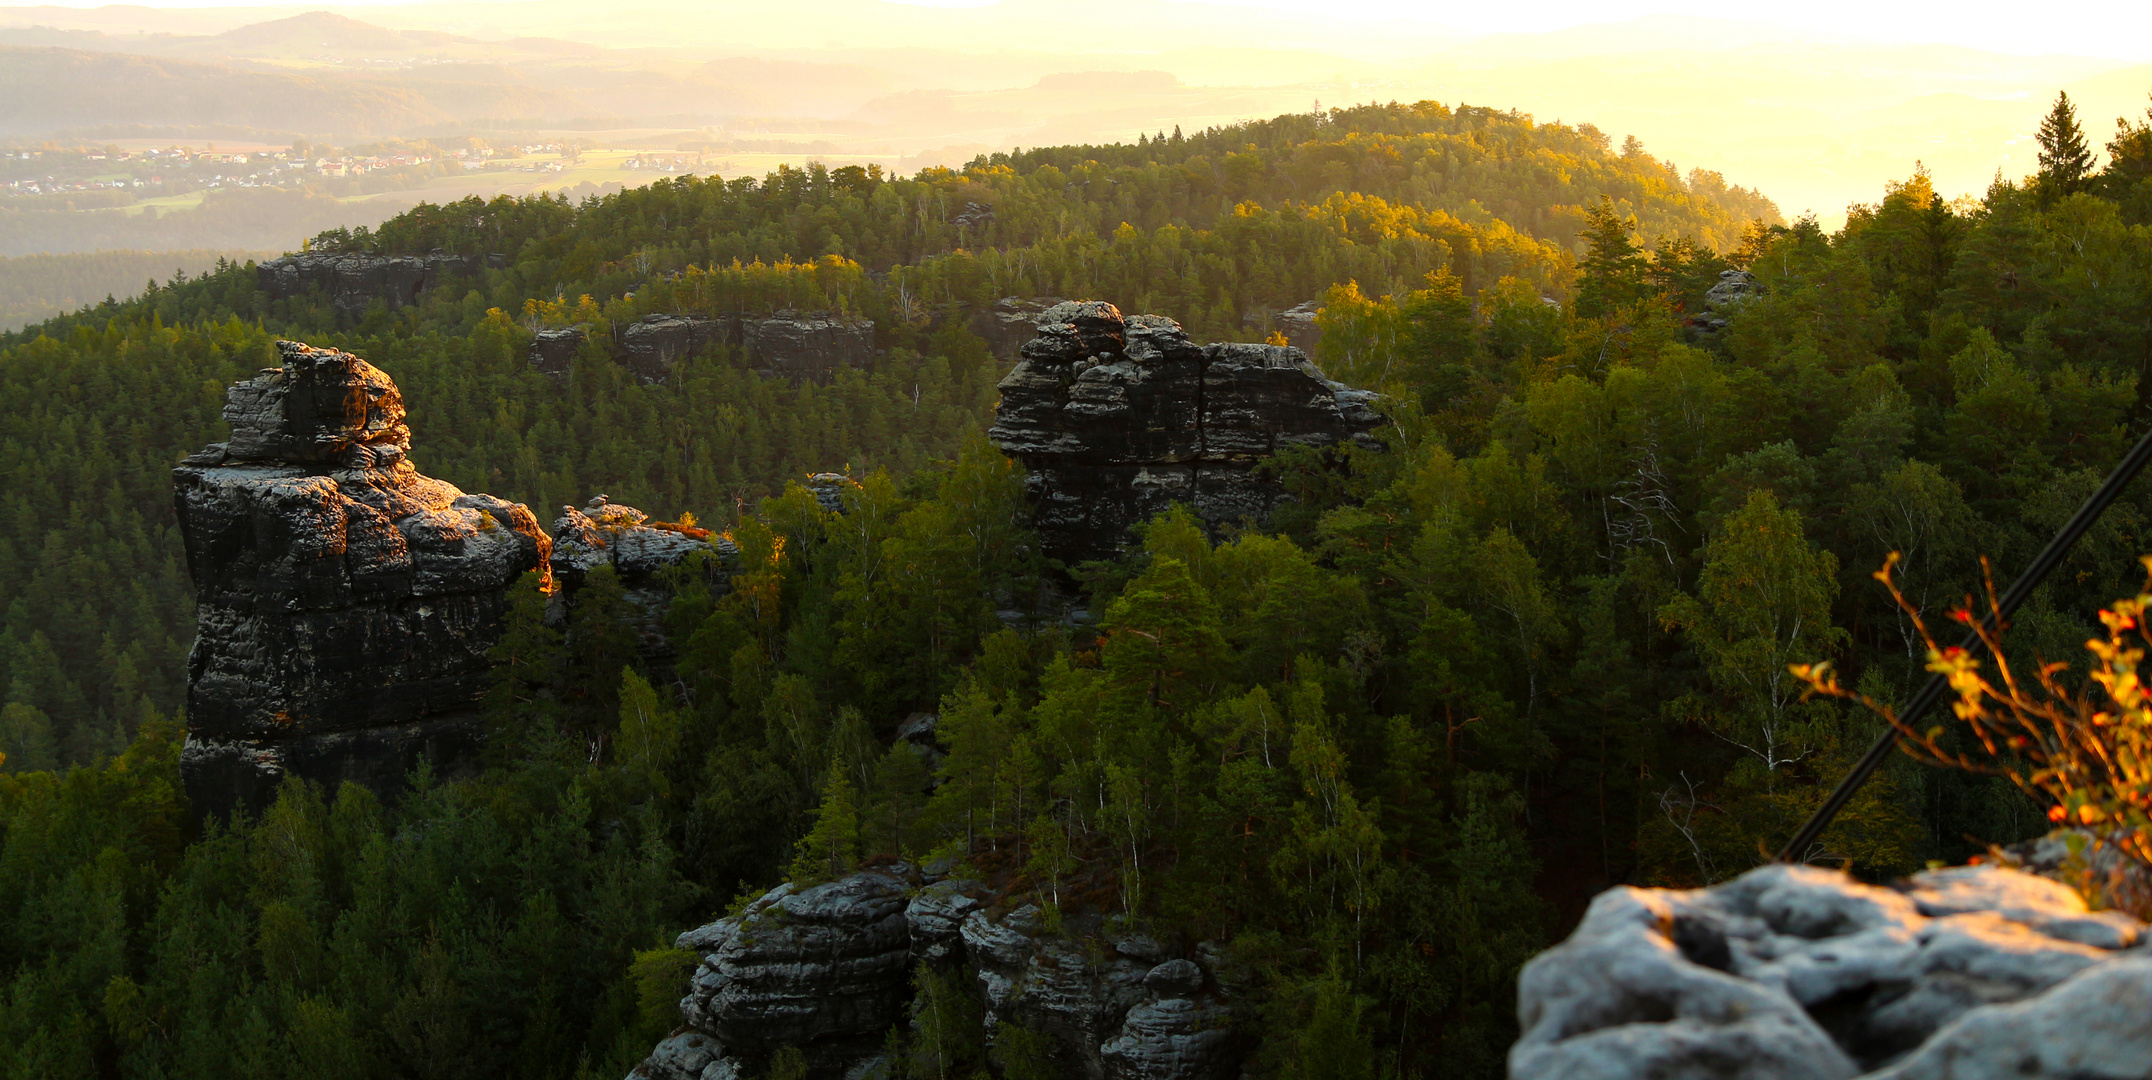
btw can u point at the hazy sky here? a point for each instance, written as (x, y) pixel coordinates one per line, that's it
(1818, 103)
(2080, 27)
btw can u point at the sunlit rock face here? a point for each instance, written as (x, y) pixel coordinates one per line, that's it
(1799, 973)
(354, 281)
(1119, 418)
(345, 601)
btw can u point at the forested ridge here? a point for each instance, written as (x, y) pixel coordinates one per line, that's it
(1383, 745)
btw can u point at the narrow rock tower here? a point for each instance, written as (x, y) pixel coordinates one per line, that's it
(345, 602)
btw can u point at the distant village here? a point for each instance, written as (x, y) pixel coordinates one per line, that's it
(172, 170)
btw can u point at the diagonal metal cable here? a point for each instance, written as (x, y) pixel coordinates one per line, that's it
(2050, 557)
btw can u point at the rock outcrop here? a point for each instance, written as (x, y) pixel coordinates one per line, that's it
(653, 345)
(1794, 972)
(809, 346)
(1118, 418)
(354, 281)
(828, 970)
(640, 551)
(1735, 288)
(1117, 1005)
(552, 352)
(345, 602)
(830, 490)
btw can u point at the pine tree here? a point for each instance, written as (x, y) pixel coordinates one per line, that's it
(831, 847)
(2065, 159)
(1612, 271)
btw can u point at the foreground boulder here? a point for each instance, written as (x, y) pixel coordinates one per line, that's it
(353, 281)
(1799, 973)
(830, 970)
(345, 602)
(1118, 418)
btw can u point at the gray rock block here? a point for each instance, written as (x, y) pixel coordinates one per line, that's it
(552, 352)
(1798, 972)
(2096, 1025)
(1172, 1038)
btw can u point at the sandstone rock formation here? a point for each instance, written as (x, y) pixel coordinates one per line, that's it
(345, 601)
(552, 352)
(1117, 419)
(654, 344)
(830, 489)
(1795, 972)
(1122, 1011)
(812, 346)
(828, 969)
(973, 215)
(354, 281)
(640, 551)
(789, 344)
(1735, 288)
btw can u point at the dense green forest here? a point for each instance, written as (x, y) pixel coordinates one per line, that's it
(35, 288)
(1384, 745)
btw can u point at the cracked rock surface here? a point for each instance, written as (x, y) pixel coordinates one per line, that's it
(345, 601)
(1118, 418)
(1796, 972)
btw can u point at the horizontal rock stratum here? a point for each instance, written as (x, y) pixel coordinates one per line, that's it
(1800, 973)
(1118, 418)
(354, 281)
(345, 601)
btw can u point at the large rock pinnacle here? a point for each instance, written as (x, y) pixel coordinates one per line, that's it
(345, 602)
(1118, 418)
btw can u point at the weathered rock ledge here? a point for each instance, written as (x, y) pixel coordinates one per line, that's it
(1118, 418)
(809, 346)
(354, 281)
(345, 602)
(1799, 973)
(828, 969)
